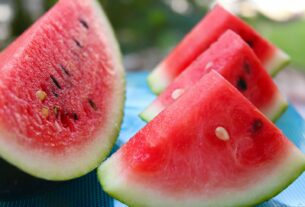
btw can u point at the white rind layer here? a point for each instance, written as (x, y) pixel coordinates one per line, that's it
(158, 80)
(74, 162)
(276, 108)
(277, 62)
(151, 111)
(114, 179)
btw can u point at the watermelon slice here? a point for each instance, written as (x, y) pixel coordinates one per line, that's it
(211, 147)
(202, 36)
(235, 60)
(61, 93)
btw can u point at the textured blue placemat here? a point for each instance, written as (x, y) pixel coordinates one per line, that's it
(86, 191)
(82, 192)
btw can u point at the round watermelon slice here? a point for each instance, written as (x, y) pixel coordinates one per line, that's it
(207, 31)
(61, 93)
(211, 147)
(235, 61)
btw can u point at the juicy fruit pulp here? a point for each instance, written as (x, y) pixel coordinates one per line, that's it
(202, 36)
(198, 153)
(236, 62)
(61, 93)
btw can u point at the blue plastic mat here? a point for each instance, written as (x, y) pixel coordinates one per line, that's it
(86, 191)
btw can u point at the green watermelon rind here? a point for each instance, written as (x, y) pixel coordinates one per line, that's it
(281, 111)
(278, 62)
(114, 125)
(111, 172)
(281, 104)
(148, 114)
(157, 76)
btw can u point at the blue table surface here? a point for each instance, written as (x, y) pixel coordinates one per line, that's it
(86, 191)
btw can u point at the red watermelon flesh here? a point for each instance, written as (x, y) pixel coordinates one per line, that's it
(202, 36)
(211, 147)
(61, 93)
(236, 62)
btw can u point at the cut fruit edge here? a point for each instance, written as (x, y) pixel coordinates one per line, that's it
(116, 183)
(41, 164)
(151, 111)
(277, 62)
(276, 108)
(274, 111)
(158, 80)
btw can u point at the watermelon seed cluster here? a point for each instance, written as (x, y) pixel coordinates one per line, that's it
(41, 95)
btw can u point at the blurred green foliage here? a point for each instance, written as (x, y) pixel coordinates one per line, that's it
(142, 24)
(148, 23)
(288, 36)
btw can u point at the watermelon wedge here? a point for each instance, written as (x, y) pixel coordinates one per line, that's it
(211, 147)
(61, 93)
(202, 36)
(236, 62)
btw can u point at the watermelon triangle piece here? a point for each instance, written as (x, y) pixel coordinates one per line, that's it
(61, 93)
(235, 61)
(208, 30)
(211, 147)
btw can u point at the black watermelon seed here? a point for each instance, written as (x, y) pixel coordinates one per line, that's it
(75, 116)
(64, 70)
(247, 67)
(55, 94)
(241, 84)
(250, 43)
(92, 104)
(77, 43)
(55, 81)
(257, 125)
(84, 23)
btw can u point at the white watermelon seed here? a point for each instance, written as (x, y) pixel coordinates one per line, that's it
(41, 95)
(222, 134)
(209, 65)
(177, 93)
(45, 112)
